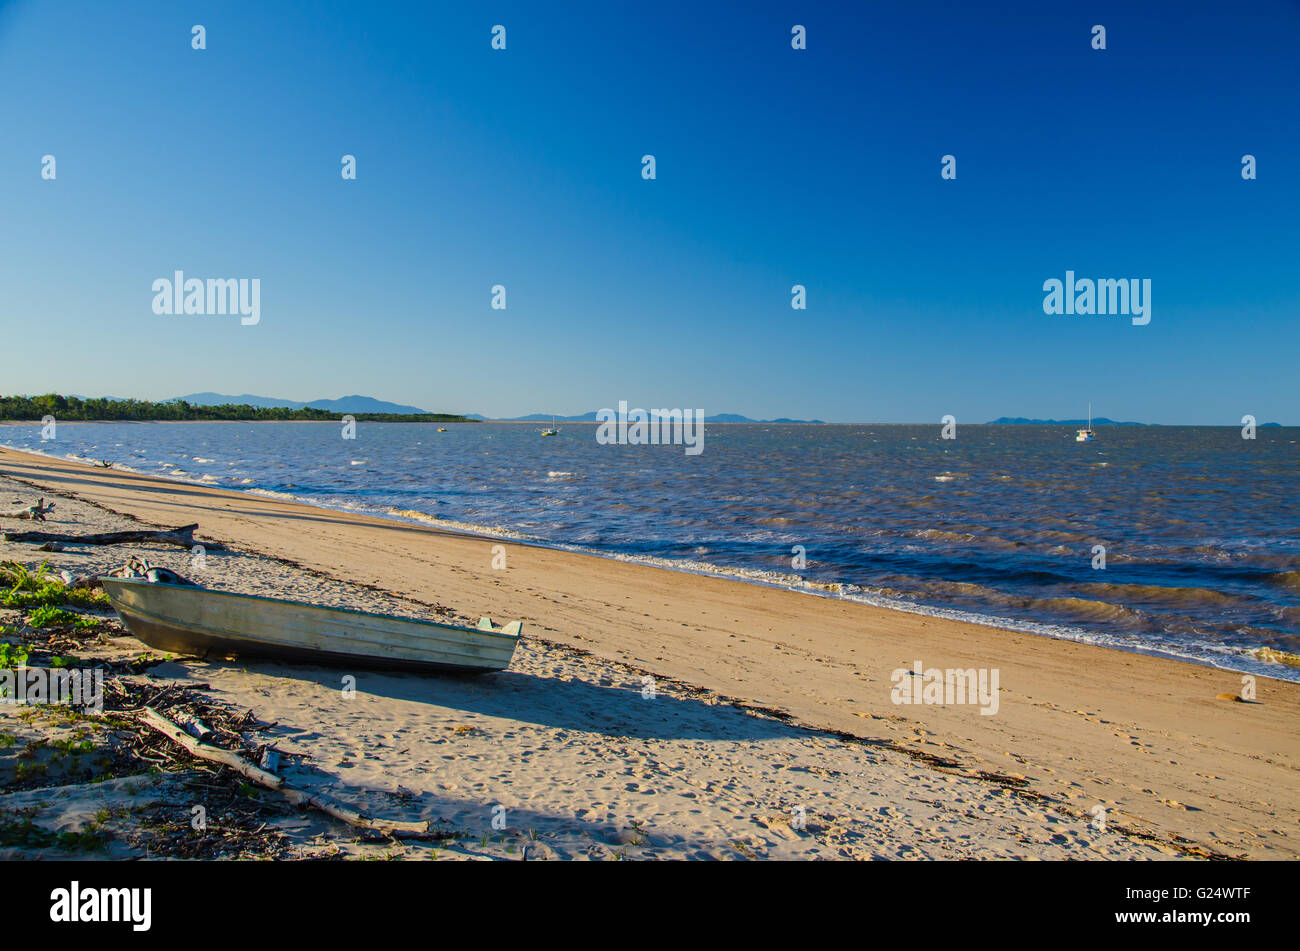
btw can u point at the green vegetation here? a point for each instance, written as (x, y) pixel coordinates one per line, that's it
(29, 589)
(28, 771)
(49, 616)
(74, 746)
(12, 656)
(25, 834)
(75, 409)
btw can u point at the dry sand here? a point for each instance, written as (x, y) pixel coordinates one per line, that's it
(770, 704)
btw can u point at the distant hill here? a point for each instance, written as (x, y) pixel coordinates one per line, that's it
(344, 404)
(1097, 421)
(591, 418)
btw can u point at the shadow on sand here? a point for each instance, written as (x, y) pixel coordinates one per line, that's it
(615, 710)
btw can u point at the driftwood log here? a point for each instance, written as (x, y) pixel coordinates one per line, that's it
(262, 777)
(213, 754)
(182, 536)
(35, 513)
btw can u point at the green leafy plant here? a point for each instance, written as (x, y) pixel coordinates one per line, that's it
(12, 656)
(25, 834)
(20, 577)
(49, 616)
(74, 746)
(28, 589)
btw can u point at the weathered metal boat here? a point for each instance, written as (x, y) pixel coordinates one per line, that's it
(187, 619)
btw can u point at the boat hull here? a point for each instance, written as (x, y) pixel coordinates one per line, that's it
(183, 619)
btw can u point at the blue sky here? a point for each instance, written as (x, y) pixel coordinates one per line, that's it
(775, 167)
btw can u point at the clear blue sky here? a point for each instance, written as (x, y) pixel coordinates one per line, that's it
(775, 167)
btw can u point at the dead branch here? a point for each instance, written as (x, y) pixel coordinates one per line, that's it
(270, 780)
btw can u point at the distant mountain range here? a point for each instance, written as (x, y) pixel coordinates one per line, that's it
(344, 404)
(591, 418)
(367, 404)
(1097, 421)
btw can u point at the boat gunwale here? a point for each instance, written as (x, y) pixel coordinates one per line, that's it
(424, 622)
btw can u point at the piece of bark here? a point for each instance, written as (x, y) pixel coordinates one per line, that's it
(194, 726)
(297, 797)
(182, 536)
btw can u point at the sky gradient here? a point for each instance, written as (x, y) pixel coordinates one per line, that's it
(775, 167)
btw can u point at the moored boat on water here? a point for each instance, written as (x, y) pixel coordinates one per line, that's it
(1086, 435)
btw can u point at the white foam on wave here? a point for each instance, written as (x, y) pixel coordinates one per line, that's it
(1225, 658)
(272, 494)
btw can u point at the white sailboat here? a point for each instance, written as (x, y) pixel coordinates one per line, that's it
(1086, 435)
(552, 431)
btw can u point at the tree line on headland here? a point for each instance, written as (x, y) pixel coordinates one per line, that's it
(73, 408)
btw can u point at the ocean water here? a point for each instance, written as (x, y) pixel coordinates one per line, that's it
(1201, 528)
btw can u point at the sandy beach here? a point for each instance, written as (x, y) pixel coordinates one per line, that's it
(770, 706)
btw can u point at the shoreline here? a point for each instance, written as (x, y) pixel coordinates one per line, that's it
(1064, 424)
(1078, 724)
(1245, 662)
